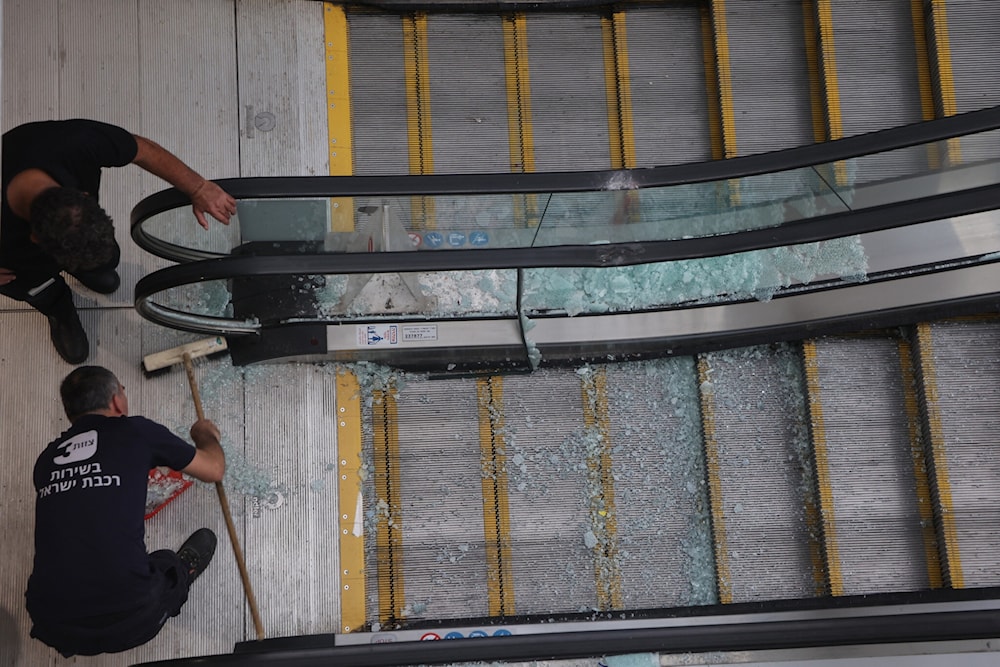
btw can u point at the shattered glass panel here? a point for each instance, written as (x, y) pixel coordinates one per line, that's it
(751, 275)
(210, 298)
(179, 227)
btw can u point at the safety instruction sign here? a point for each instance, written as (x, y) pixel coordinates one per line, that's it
(385, 335)
(378, 335)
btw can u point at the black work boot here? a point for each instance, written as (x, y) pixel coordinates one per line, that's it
(68, 336)
(197, 551)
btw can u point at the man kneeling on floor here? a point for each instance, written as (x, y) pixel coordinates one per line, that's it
(94, 589)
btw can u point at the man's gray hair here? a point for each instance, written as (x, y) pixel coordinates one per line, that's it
(87, 389)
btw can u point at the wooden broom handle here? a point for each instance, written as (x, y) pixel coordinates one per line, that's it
(224, 503)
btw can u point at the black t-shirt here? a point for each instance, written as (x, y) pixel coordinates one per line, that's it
(90, 551)
(72, 152)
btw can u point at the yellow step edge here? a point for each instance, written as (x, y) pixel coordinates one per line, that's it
(952, 566)
(618, 96)
(338, 111)
(496, 506)
(948, 106)
(416, 69)
(925, 503)
(603, 517)
(351, 544)
(830, 82)
(389, 531)
(706, 393)
(618, 91)
(719, 90)
(816, 98)
(834, 573)
(520, 130)
(925, 81)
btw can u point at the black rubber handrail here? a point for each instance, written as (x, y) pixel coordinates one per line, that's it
(850, 626)
(824, 228)
(282, 187)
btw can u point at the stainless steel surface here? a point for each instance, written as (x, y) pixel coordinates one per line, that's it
(865, 298)
(727, 619)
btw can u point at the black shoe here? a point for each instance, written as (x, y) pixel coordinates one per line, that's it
(102, 282)
(197, 551)
(68, 337)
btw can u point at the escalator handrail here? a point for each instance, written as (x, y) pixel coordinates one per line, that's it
(283, 187)
(837, 225)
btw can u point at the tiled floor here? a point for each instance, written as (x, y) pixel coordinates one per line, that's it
(167, 70)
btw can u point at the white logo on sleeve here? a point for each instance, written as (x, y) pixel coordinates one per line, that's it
(78, 448)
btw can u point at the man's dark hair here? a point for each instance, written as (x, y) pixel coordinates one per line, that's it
(72, 227)
(87, 389)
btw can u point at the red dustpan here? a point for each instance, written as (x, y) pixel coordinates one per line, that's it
(163, 488)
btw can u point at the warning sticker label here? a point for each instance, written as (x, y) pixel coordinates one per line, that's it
(378, 335)
(412, 333)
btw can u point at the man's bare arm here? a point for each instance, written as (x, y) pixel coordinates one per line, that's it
(206, 196)
(209, 462)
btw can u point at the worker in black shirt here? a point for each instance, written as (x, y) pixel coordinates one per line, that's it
(51, 219)
(93, 588)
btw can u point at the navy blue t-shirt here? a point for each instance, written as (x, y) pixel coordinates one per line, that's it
(72, 152)
(90, 551)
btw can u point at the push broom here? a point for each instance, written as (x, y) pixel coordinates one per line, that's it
(185, 354)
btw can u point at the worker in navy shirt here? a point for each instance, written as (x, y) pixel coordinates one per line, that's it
(51, 219)
(93, 588)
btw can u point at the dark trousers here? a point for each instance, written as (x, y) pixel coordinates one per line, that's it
(33, 284)
(119, 632)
